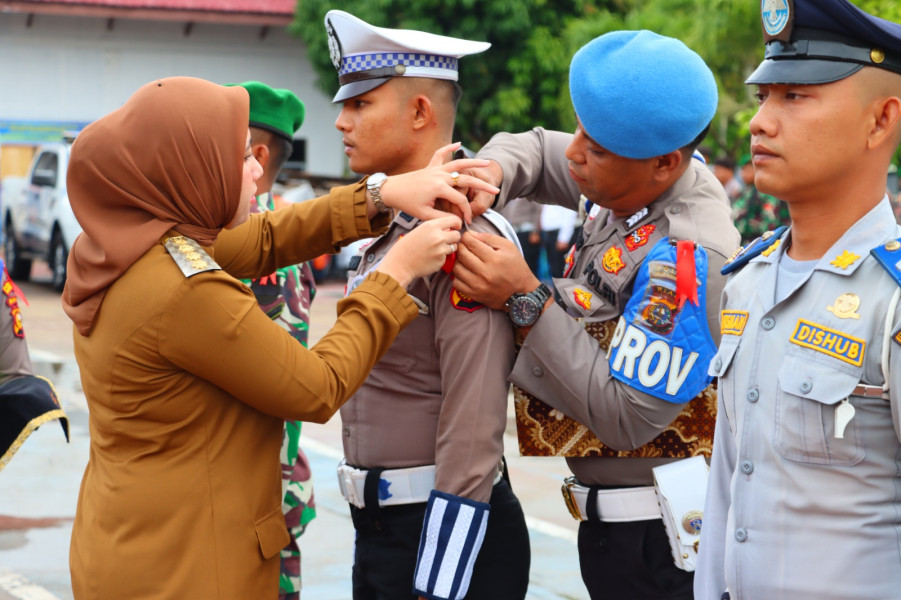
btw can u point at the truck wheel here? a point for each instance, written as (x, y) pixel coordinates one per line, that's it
(19, 268)
(59, 258)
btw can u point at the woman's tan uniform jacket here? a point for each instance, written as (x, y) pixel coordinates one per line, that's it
(187, 383)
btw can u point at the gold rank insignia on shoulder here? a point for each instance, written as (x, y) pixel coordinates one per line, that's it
(189, 256)
(844, 260)
(845, 306)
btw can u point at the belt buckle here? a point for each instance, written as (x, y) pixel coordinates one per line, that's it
(569, 499)
(347, 485)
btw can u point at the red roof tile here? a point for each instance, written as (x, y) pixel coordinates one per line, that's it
(273, 7)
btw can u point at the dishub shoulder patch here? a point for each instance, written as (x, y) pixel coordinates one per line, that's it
(189, 256)
(743, 256)
(889, 256)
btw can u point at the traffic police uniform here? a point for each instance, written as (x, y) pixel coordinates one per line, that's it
(622, 543)
(27, 401)
(423, 437)
(803, 500)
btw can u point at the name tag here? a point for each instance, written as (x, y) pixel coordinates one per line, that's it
(732, 322)
(834, 343)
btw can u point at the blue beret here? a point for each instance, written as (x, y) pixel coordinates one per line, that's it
(820, 41)
(639, 94)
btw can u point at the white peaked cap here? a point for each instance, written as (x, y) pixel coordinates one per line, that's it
(367, 56)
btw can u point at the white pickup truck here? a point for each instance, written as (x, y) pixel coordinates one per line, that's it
(37, 219)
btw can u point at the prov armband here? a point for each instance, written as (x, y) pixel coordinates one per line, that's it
(662, 345)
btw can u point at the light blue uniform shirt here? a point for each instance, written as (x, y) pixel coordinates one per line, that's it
(811, 516)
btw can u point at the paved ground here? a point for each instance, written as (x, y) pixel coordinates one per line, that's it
(38, 489)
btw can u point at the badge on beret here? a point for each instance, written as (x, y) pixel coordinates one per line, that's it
(613, 260)
(639, 237)
(334, 45)
(463, 302)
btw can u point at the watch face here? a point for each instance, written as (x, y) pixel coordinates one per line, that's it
(524, 311)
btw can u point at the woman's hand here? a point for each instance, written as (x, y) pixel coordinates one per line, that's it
(422, 251)
(416, 192)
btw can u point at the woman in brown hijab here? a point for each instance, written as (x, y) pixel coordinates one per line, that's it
(187, 380)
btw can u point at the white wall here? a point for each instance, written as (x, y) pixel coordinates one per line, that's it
(74, 69)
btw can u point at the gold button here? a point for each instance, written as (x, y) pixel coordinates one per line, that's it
(400, 69)
(893, 245)
(877, 55)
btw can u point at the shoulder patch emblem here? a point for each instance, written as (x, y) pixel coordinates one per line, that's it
(463, 302)
(582, 298)
(889, 257)
(829, 341)
(732, 322)
(639, 237)
(189, 256)
(761, 246)
(613, 260)
(15, 313)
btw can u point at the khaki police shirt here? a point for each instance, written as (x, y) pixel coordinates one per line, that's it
(439, 395)
(560, 362)
(793, 511)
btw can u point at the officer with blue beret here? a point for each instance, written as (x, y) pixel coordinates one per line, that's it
(613, 374)
(803, 500)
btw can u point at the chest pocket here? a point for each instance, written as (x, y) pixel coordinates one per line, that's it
(720, 368)
(806, 397)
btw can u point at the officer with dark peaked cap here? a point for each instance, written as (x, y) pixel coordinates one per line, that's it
(803, 498)
(433, 511)
(623, 352)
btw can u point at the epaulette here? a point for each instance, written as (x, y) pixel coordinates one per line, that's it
(889, 256)
(189, 256)
(759, 246)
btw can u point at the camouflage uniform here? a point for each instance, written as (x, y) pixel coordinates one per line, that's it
(286, 296)
(754, 213)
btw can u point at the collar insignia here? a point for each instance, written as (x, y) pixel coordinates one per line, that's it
(772, 248)
(844, 260)
(631, 221)
(639, 237)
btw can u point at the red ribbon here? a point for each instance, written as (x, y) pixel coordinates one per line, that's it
(449, 263)
(686, 277)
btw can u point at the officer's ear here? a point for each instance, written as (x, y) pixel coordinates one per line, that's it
(667, 165)
(886, 122)
(423, 110)
(261, 153)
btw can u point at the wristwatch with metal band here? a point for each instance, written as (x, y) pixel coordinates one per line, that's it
(374, 185)
(524, 309)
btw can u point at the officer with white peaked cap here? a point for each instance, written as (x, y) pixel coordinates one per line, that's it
(367, 56)
(433, 511)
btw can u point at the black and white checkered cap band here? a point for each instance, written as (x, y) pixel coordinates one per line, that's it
(429, 65)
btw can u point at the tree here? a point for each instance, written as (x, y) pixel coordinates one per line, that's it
(518, 84)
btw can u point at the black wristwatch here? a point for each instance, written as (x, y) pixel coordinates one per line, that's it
(524, 309)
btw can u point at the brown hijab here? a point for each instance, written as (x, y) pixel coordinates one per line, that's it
(169, 158)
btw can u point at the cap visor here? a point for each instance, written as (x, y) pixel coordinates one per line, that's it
(809, 71)
(355, 88)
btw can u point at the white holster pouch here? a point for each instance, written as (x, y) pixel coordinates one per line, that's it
(681, 490)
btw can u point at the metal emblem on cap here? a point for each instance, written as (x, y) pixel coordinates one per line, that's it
(691, 521)
(334, 46)
(400, 69)
(774, 14)
(877, 55)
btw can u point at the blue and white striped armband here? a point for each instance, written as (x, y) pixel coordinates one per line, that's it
(452, 534)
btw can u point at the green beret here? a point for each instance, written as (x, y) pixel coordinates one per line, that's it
(277, 110)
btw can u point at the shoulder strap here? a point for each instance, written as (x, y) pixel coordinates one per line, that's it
(189, 256)
(744, 254)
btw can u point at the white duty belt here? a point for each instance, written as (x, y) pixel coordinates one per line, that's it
(614, 506)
